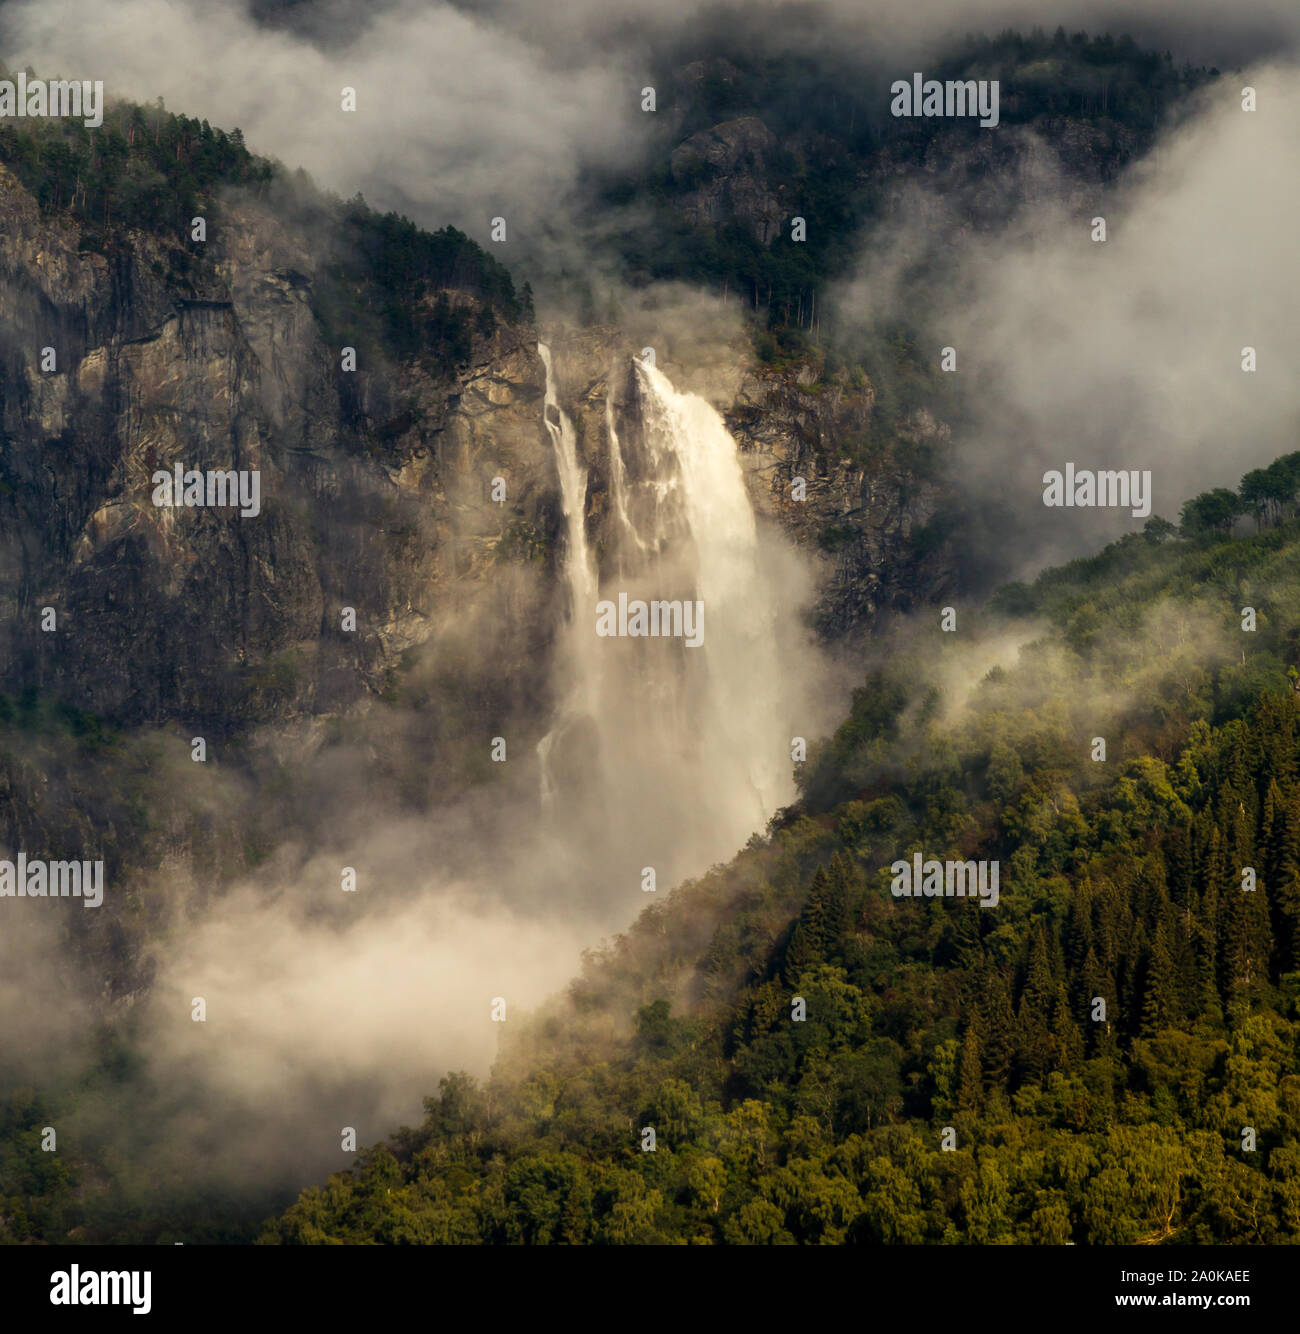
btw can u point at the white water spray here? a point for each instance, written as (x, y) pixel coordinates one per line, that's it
(618, 483)
(671, 756)
(696, 472)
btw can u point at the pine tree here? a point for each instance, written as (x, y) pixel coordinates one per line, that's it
(1179, 867)
(1034, 1016)
(1160, 1004)
(1283, 880)
(808, 940)
(970, 1084)
(1067, 1041)
(842, 883)
(1130, 981)
(1246, 940)
(997, 1026)
(1078, 931)
(1272, 830)
(1096, 983)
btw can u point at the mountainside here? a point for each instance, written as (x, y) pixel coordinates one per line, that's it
(228, 351)
(136, 637)
(128, 348)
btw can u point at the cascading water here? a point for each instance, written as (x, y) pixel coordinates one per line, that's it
(695, 462)
(576, 661)
(669, 755)
(618, 484)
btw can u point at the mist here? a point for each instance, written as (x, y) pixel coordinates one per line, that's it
(1125, 353)
(474, 111)
(373, 952)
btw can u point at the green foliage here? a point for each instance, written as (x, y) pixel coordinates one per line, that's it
(388, 285)
(143, 168)
(1120, 881)
(1212, 512)
(1270, 494)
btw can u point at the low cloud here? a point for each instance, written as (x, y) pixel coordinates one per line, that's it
(1125, 353)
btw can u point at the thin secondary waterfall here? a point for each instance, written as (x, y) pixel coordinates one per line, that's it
(576, 660)
(573, 490)
(618, 481)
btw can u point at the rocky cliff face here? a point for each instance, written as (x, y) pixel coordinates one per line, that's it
(866, 524)
(724, 173)
(375, 484)
(378, 493)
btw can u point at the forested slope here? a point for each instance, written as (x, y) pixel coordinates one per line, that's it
(1168, 1113)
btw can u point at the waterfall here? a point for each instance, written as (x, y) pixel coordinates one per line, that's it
(573, 491)
(667, 755)
(698, 488)
(576, 660)
(618, 481)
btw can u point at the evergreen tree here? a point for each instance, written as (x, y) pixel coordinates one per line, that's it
(970, 1085)
(1160, 1005)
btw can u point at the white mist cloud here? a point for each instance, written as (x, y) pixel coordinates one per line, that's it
(457, 121)
(316, 1024)
(467, 112)
(1127, 353)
